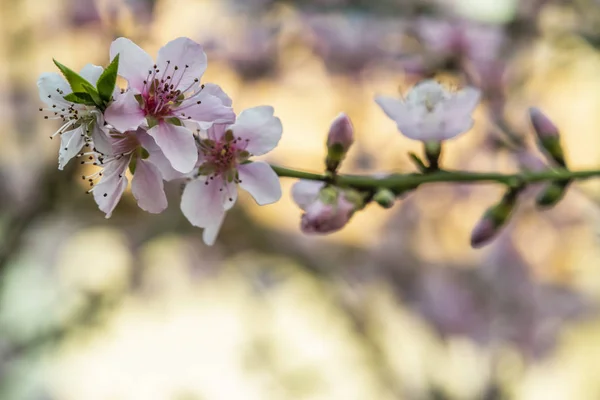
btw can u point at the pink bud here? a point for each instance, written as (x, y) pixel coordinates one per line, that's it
(544, 128)
(326, 218)
(341, 133)
(484, 231)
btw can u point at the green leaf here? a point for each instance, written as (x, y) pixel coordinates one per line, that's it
(108, 80)
(75, 80)
(80, 98)
(93, 93)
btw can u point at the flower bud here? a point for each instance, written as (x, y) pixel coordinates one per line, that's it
(326, 208)
(494, 219)
(321, 217)
(339, 140)
(552, 194)
(385, 198)
(547, 135)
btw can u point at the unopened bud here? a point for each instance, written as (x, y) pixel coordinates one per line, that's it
(494, 219)
(385, 198)
(552, 194)
(339, 140)
(547, 135)
(331, 210)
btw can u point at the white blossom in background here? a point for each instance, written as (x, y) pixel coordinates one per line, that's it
(224, 163)
(83, 126)
(162, 95)
(431, 112)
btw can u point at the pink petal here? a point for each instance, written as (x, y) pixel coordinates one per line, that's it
(306, 192)
(259, 128)
(201, 203)
(147, 187)
(71, 143)
(125, 113)
(215, 90)
(178, 145)
(91, 73)
(230, 195)
(210, 109)
(112, 185)
(259, 179)
(157, 157)
(189, 58)
(134, 63)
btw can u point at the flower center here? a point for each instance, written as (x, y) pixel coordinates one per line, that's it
(223, 156)
(161, 94)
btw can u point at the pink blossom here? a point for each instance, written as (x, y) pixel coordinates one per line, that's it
(127, 152)
(430, 112)
(224, 160)
(322, 213)
(162, 95)
(82, 125)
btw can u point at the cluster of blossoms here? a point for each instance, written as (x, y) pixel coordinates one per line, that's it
(164, 125)
(167, 125)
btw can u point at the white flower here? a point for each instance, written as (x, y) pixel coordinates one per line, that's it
(224, 158)
(430, 112)
(82, 125)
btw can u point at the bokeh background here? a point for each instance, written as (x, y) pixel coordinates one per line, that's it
(395, 306)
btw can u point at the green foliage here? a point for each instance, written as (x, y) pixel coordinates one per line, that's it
(108, 80)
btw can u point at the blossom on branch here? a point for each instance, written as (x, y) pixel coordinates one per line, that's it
(224, 163)
(430, 112)
(127, 153)
(161, 96)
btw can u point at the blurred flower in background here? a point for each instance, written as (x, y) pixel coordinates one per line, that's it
(394, 306)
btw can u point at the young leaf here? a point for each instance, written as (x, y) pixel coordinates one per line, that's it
(93, 94)
(80, 98)
(75, 80)
(108, 79)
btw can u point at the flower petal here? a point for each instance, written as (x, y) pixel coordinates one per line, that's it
(230, 195)
(259, 128)
(187, 56)
(49, 85)
(305, 192)
(91, 73)
(210, 109)
(259, 179)
(408, 121)
(112, 185)
(215, 90)
(71, 143)
(178, 145)
(125, 113)
(210, 232)
(147, 187)
(134, 63)
(100, 136)
(202, 202)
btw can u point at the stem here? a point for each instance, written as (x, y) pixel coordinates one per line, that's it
(401, 182)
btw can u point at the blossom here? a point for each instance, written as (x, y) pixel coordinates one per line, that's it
(326, 209)
(162, 95)
(224, 160)
(127, 151)
(82, 125)
(430, 112)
